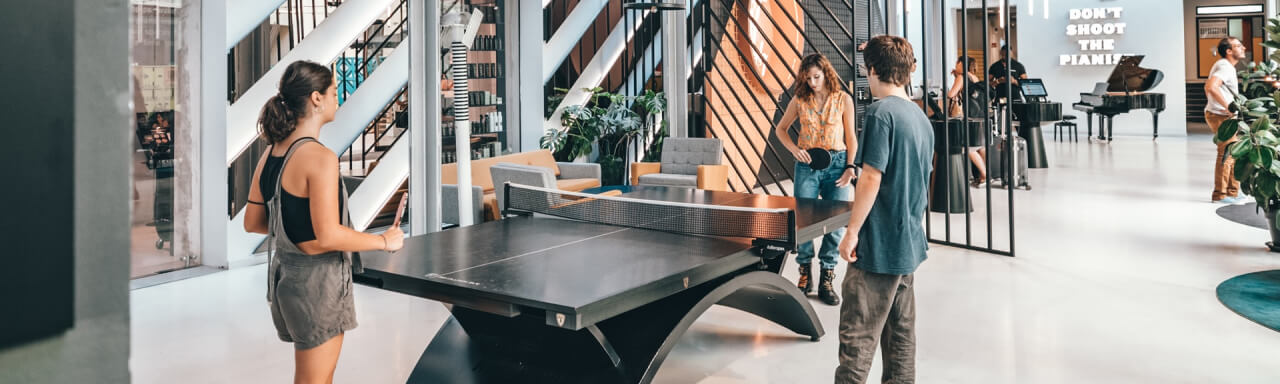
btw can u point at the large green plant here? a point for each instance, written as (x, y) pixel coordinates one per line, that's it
(1254, 126)
(610, 123)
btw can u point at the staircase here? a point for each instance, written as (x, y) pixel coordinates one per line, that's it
(361, 39)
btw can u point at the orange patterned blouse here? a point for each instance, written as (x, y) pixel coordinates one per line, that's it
(822, 126)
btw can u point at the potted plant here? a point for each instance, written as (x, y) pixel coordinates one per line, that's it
(607, 127)
(1256, 164)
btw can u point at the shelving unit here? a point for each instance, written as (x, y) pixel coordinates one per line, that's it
(488, 137)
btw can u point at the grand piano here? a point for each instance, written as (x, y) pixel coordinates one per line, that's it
(1124, 91)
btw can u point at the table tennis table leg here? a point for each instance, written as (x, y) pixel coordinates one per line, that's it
(478, 347)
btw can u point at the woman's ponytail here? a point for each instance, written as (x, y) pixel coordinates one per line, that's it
(279, 117)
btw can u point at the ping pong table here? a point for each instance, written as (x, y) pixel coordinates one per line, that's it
(590, 288)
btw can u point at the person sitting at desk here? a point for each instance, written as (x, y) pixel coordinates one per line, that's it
(973, 104)
(998, 71)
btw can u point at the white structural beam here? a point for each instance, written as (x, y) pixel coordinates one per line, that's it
(363, 106)
(597, 69)
(245, 15)
(570, 32)
(321, 45)
(377, 187)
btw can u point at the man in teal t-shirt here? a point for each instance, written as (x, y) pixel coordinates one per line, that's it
(886, 241)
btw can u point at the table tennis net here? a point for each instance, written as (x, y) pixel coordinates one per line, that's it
(773, 225)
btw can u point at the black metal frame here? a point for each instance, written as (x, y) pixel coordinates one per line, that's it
(709, 20)
(1005, 123)
(712, 18)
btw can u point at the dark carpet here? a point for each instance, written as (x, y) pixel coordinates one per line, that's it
(1247, 214)
(1256, 296)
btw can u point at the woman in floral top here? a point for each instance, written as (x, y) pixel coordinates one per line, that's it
(826, 117)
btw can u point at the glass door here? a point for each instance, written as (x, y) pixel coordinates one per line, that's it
(1211, 30)
(157, 228)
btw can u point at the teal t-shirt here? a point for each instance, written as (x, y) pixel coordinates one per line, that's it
(896, 139)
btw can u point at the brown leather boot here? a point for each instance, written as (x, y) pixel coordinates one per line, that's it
(826, 287)
(806, 281)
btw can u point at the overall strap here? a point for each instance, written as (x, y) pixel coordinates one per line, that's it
(276, 220)
(287, 155)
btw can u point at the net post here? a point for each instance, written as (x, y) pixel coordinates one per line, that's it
(506, 202)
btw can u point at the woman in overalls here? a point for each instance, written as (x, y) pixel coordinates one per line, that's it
(297, 199)
(826, 118)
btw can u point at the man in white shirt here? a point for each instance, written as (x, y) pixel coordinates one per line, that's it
(1221, 91)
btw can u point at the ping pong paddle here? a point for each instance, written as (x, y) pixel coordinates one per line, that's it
(404, 198)
(819, 158)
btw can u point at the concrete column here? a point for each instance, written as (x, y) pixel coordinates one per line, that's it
(69, 201)
(210, 103)
(525, 101)
(675, 70)
(186, 140)
(424, 118)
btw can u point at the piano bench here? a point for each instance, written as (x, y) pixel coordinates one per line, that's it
(1066, 126)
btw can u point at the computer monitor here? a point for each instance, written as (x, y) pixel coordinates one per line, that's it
(1033, 89)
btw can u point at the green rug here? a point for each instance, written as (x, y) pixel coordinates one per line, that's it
(1256, 296)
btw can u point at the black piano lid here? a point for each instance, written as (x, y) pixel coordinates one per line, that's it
(1129, 77)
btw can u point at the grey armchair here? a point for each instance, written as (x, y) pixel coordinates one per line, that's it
(573, 177)
(686, 162)
(449, 204)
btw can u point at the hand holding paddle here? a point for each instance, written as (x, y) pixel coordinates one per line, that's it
(801, 155)
(394, 237)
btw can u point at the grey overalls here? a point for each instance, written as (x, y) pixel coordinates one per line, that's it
(309, 295)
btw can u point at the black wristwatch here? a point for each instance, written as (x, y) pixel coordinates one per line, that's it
(854, 167)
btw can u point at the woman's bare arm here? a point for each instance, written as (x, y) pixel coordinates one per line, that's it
(326, 221)
(255, 213)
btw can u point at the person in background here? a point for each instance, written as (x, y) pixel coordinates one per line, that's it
(1221, 90)
(302, 207)
(1014, 69)
(973, 103)
(826, 118)
(886, 241)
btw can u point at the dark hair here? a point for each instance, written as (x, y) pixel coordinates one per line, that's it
(968, 62)
(816, 60)
(280, 115)
(891, 57)
(1224, 45)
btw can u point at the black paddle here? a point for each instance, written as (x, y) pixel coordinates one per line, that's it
(819, 159)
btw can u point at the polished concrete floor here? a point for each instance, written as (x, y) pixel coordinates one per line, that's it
(1118, 252)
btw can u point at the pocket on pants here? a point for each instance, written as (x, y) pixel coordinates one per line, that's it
(310, 296)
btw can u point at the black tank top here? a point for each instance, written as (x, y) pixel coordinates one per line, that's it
(296, 210)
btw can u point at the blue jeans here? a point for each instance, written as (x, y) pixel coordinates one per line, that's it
(811, 184)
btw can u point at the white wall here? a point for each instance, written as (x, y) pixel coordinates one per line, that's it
(1154, 29)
